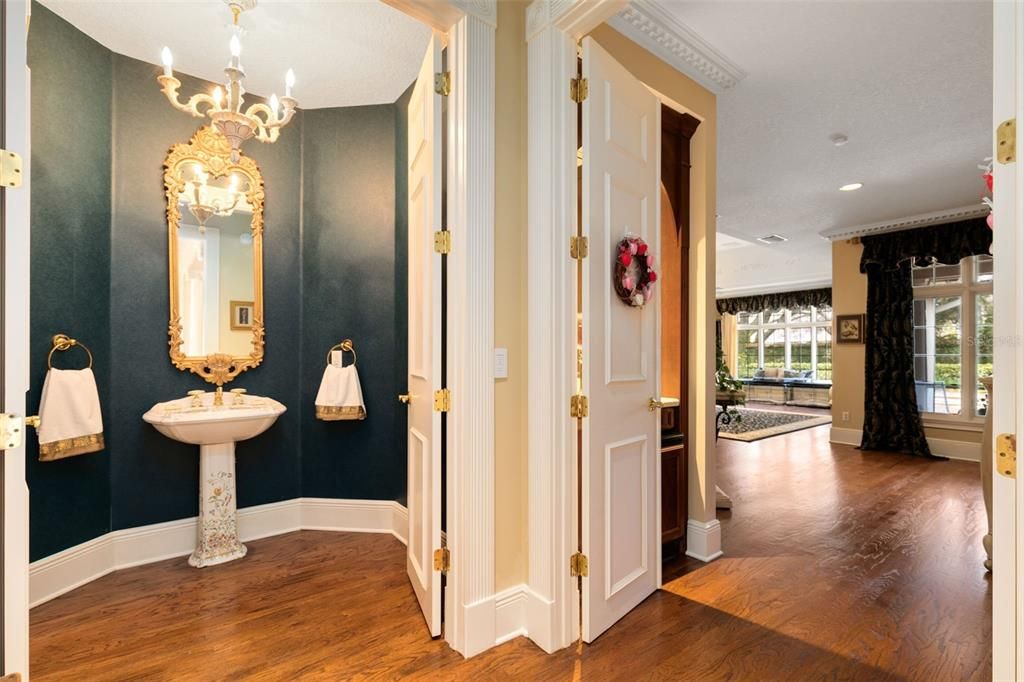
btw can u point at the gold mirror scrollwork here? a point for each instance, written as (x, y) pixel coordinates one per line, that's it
(210, 151)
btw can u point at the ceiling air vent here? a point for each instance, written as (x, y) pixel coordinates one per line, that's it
(772, 239)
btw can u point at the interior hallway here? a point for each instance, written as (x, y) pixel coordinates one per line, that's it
(840, 565)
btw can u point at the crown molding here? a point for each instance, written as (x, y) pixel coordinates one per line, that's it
(775, 288)
(909, 223)
(646, 23)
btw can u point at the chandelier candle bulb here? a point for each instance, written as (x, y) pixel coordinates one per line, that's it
(289, 82)
(168, 61)
(274, 104)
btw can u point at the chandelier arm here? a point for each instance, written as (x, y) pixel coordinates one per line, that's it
(170, 85)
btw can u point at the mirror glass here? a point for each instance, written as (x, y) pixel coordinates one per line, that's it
(215, 222)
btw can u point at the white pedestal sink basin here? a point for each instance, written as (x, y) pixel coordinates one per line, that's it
(215, 429)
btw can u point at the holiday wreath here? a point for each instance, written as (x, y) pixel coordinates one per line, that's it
(634, 272)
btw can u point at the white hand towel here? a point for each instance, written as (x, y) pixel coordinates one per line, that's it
(70, 422)
(340, 395)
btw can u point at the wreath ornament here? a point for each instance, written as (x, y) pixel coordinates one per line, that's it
(634, 276)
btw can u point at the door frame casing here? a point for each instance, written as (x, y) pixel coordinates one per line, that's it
(552, 30)
(1008, 292)
(15, 552)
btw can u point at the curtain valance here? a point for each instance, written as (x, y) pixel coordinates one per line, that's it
(946, 244)
(784, 299)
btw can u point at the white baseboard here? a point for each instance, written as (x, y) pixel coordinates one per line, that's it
(954, 449)
(56, 574)
(704, 539)
(510, 613)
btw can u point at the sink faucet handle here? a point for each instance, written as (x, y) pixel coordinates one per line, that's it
(197, 397)
(238, 394)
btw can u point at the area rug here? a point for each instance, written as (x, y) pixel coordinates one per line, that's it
(758, 424)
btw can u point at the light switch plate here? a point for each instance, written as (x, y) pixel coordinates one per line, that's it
(501, 363)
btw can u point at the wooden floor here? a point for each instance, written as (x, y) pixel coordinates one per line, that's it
(839, 565)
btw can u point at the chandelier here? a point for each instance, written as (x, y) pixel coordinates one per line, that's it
(225, 106)
(203, 201)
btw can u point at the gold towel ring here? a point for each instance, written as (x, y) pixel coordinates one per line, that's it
(62, 342)
(345, 345)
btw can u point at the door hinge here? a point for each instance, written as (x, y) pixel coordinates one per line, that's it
(442, 400)
(579, 88)
(443, 242)
(12, 431)
(579, 406)
(442, 560)
(579, 565)
(443, 83)
(1006, 455)
(10, 169)
(1006, 141)
(579, 247)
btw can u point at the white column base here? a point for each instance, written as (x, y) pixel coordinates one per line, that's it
(704, 539)
(218, 540)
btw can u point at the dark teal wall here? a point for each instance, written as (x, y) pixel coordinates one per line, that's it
(70, 262)
(348, 292)
(334, 266)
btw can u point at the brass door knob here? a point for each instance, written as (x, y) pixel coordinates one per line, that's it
(405, 398)
(654, 404)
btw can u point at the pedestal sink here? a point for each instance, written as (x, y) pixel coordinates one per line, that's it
(201, 420)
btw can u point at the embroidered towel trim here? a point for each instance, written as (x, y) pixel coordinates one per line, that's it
(70, 421)
(340, 397)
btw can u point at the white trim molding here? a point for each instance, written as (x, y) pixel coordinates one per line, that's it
(647, 24)
(942, 447)
(908, 223)
(793, 285)
(62, 572)
(704, 539)
(469, 592)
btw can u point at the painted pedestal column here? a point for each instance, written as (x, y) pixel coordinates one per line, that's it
(986, 470)
(218, 540)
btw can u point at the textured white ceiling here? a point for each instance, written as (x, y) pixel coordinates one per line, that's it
(344, 52)
(910, 84)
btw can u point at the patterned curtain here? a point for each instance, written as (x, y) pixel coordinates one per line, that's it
(785, 299)
(891, 418)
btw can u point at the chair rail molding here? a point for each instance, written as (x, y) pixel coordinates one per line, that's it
(646, 23)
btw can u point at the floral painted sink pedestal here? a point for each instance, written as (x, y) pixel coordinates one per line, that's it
(217, 540)
(202, 419)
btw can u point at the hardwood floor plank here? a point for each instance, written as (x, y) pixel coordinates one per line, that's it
(839, 564)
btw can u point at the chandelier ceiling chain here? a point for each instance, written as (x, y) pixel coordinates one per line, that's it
(259, 120)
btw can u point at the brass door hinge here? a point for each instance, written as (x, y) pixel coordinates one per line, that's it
(442, 400)
(579, 88)
(1006, 141)
(1006, 455)
(579, 406)
(443, 83)
(12, 431)
(442, 560)
(579, 565)
(579, 247)
(443, 242)
(10, 169)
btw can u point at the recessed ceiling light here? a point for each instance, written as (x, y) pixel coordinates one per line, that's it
(838, 139)
(772, 239)
(852, 187)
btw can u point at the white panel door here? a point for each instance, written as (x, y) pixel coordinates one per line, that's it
(621, 527)
(14, 136)
(1008, 368)
(424, 437)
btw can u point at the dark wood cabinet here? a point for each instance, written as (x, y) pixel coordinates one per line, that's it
(674, 484)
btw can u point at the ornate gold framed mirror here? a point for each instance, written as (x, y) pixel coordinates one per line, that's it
(215, 253)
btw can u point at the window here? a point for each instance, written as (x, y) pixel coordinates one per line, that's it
(798, 339)
(952, 336)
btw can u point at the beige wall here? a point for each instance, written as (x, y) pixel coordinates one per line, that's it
(510, 466)
(849, 297)
(687, 95)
